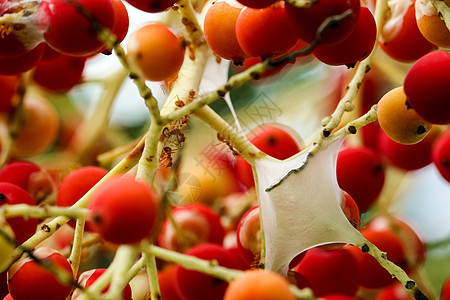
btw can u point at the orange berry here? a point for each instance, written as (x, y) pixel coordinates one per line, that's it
(38, 128)
(398, 120)
(431, 26)
(156, 52)
(259, 284)
(220, 31)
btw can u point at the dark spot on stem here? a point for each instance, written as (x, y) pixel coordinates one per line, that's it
(410, 284)
(45, 228)
(3, 197)
(254, 75)
(221, 93)
(365, 248)
(326, 132)
(352, 129)
(368, 68)
(133, 76)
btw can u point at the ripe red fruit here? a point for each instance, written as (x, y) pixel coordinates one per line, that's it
(166, 278)
(265, 32)
(193, 285)
(361, 174)
(28, 280)
(30, 177)
(426, 86)
(59, 74)
(198, 224)
(76, 184)
(350, 209)
(12, 194)
(121, 20)
(60, 20)
(87, 278)
(330, 271)
(123, 210)
(394, 292)
(248, 236)
(441, 154)
(402, 39)
(156, 52)
(307, 20)
(220, 31)
(407, 157)
(410, 237)
(274, 139)
(355, 47)
(445, 292)
(22, 63)
(152, 6)
(18, 37)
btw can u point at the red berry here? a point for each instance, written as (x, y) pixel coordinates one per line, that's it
(28, 280)
(274, 139)
(193, 285)
(445, 292)
(353, 48)
(426, 86)
(401, 39)
(76, 184)
(12, 194)
(59, 74)
(70, 32)
(22, 63)
(86, 279)
(361, 174)
(372, 274)
(330, 271)
(166, 278)
(248, 236)
(407, 157)
(123, 210)
(308, 20)
(265, 32)
(441, 154)
(30, 177)
(198, 223)
(152, 6)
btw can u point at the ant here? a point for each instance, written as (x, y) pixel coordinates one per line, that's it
(222, 139)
